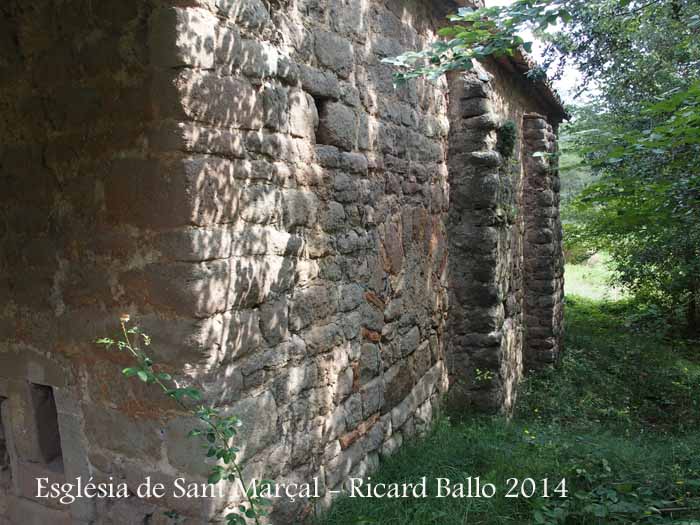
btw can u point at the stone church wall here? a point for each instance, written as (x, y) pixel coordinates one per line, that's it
(246, 182)
(504, 231)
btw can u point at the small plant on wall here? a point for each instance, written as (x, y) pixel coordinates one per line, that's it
(506, 136)
(216, 431)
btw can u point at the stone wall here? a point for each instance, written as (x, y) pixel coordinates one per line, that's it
(543, 257)
(248, 184)
(243, 179)
(505, 270)
(74, 102)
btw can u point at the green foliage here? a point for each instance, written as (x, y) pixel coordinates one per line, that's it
(632, 51)
(619, 420)
(575, 251)
(507, 135)
(483, 376)
(641, 140)
(476, 34)
(216, 432)
(574, 174)
(618, 371)
(592, 278)
(644, 208)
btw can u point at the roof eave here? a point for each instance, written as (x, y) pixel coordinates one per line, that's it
(522, 63)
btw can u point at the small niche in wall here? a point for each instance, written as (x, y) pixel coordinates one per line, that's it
(321, 104)
(5, 472)
(49, 439)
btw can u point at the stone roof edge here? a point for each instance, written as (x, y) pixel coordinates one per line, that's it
(521, 62)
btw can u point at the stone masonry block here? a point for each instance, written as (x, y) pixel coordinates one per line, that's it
(300, 208)
(118, 432)
(335, 53)
(276, 103)
(197, 138)
(319, 83)
(207, 97)
(348, 18)
(198, 190)
(303, 116)
(419, 393)
(30, 513)
(256, 60)
(185, 452)
(228, 46)
(338, 126)
(315, 302)
(250, 14)
(182, 37)
(370, 363)
(190, 289)
(474, 107)
(398, 381)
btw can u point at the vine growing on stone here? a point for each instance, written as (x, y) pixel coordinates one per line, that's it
(217, 431)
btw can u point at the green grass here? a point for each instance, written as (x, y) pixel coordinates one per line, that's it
(619, 420)
(591, 279)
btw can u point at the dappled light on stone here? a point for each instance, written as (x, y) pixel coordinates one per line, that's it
(311, 246)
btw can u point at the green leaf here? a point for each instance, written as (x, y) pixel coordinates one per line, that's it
(181, 393)
(143, 375)
(235, 519)
(194, 393)
(129, 372)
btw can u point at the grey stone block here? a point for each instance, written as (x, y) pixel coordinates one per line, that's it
(337, 126)
(182, 37)
(335, 53)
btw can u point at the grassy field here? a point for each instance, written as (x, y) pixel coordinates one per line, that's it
(619, 420)
(590, 279)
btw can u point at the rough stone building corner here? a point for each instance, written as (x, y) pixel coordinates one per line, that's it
(322, 253)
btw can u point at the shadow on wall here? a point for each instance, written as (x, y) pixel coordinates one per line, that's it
(277, 228)
(294, 207)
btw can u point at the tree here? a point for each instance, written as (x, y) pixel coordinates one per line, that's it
(641, 138)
